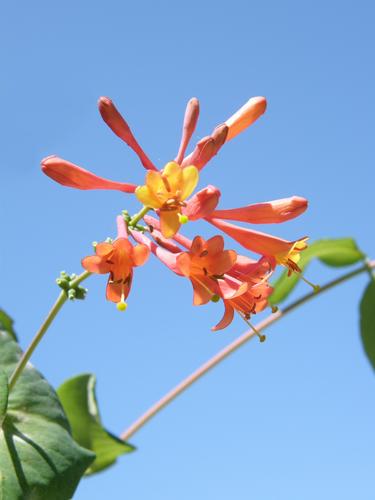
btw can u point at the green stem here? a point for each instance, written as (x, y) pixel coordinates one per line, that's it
(62, 298)
(232, 347)
(137, 217)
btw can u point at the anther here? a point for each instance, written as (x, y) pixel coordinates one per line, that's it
(183, 218)
(274, 309)
(215, 298)
(122, 305)
(315, 288)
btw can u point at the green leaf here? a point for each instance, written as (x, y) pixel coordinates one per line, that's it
(6, 324)
(367, 322)
(39, 460)
(77, 396)
(333, 252)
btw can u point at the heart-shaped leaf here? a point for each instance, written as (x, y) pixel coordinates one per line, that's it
(367, 321)
(77, 396)
(332, 252)
(39, 460)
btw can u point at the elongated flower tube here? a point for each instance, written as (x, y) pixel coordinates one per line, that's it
(119, 126)
(271, 212)
(117, 259)
(168, 256)
(279, 251)
(245, 116)
(209, 146)
(190, 122)
(70, 175)
(166, 191)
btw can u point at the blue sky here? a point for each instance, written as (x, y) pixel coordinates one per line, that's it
(289, 419)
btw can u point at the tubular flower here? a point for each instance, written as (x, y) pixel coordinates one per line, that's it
(250, 299)
(204, 264)
(166, 191)
(278, 250)
(203, 205)
(117, 259)
(209, 146)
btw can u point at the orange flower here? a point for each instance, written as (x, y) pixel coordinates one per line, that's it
(250, 299)
(166, 191)
(278, 250)
(117, 259)
(204, 264)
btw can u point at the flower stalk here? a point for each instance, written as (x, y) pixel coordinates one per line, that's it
(233, 346)
(62, 298)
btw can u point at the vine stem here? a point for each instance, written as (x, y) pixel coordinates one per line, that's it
(62, 298)
(232, 347)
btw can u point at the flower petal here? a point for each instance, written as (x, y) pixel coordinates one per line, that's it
(215, 244)
(140, 255)
(173, 174)
(227, 319)
(147, 197)
(266, 213)
(169, 222)
(116, 292)
(184, 263)
(95, 264)
(68, 174)
(190, 178)
(198, 245)
(222, 262)
(104, 249)
(230, 287)
(204, 290)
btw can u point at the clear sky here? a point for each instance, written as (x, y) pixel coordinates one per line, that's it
(289, 419)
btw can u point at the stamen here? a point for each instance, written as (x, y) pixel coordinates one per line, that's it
(274, 309)
(215, 298)
(315, 288)
(184, 219)
(122, 305)
(261, 337)
(166, 183)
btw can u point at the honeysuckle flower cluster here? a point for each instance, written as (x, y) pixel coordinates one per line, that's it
(239, 281)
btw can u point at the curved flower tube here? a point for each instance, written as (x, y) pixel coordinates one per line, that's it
(209, 146)
(279, 251)
(254, 298)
